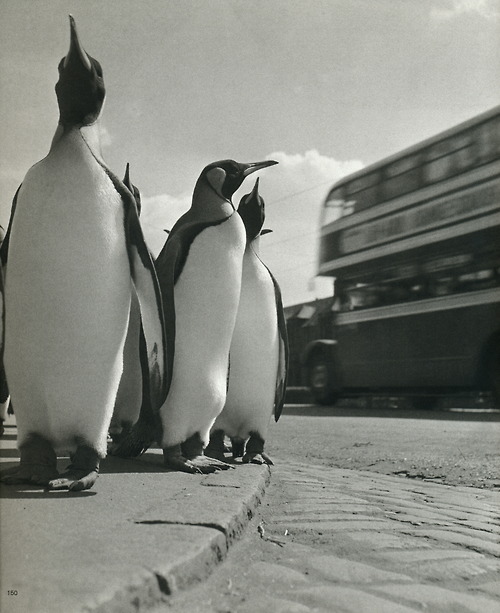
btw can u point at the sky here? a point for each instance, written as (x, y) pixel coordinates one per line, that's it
(324, 87)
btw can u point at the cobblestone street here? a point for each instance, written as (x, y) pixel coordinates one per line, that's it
(349, 541)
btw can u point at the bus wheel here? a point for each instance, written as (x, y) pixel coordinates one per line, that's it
(424, 403)
(319, 373)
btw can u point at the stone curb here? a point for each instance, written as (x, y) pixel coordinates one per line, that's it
(140, 535)
(217, 537)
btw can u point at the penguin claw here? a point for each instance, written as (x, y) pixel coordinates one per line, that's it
(198, 465)
(74, 481)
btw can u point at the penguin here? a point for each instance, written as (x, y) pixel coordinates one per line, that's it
(199, 270)
(258, 353)
(4, 390)
(76, 260)
(130, 393)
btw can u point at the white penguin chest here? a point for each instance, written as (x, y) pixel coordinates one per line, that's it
(69, 218)
(68, 260)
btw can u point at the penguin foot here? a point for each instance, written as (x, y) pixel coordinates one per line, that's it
(200, 464)
(216, 448)
(237, 447)
(74, 480)
(38, 463)
(257, 458)
(82, 473)
(255, 451)
(38, 474)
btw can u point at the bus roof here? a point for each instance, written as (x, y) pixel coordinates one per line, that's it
(420, 145)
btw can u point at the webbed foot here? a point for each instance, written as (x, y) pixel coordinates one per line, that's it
(189, 458)
(82, 473)
(74, 480)
(255, 451)
(38, 463)
(38, 474)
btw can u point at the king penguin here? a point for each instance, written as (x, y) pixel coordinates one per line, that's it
(75, 258)
(4, 390)
(258, 353)
(131, 390)
(199, 270)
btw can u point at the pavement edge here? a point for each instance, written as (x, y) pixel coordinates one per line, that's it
(154, 586)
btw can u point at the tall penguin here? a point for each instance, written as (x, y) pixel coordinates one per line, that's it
(4, 390)
(199, 270)
(75, 257)
(259, 350)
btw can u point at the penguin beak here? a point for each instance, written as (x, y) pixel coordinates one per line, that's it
(265, 231)
(255, 190)
(75, 47)
(254, 166)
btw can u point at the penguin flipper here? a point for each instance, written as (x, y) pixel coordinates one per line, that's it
(169, 265)
(148, 293)
(282, 374)
(4, 248)
(148, 427)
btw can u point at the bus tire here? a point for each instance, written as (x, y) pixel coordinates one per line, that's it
(320, 381)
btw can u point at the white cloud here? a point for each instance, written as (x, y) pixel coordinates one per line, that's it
(159, 213)
(293, 191)
(104, 135)
(454, 8)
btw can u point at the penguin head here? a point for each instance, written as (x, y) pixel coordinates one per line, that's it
(80, 89)
(252, 212)
(226, 176)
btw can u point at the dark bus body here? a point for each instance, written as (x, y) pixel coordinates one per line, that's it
(413, 246)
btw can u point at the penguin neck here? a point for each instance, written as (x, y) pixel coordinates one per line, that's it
(210, 205)
(89, 134)
(254, 245)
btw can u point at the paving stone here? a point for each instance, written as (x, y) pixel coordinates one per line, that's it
(385, 541)
(425, 555)
(341, 599)
(432, 597)
(454, 569)
(489, 527)
(277, 573)
(458, 538)
(339, 499)
(492, 588)
(473, 533)
(272, 605)
(315, 518)
(333, 508)
(340, 570)
(352, 524)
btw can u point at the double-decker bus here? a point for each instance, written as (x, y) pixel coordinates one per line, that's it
(413, 245)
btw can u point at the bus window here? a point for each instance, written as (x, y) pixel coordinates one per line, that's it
(363, 191)
(402, 176)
